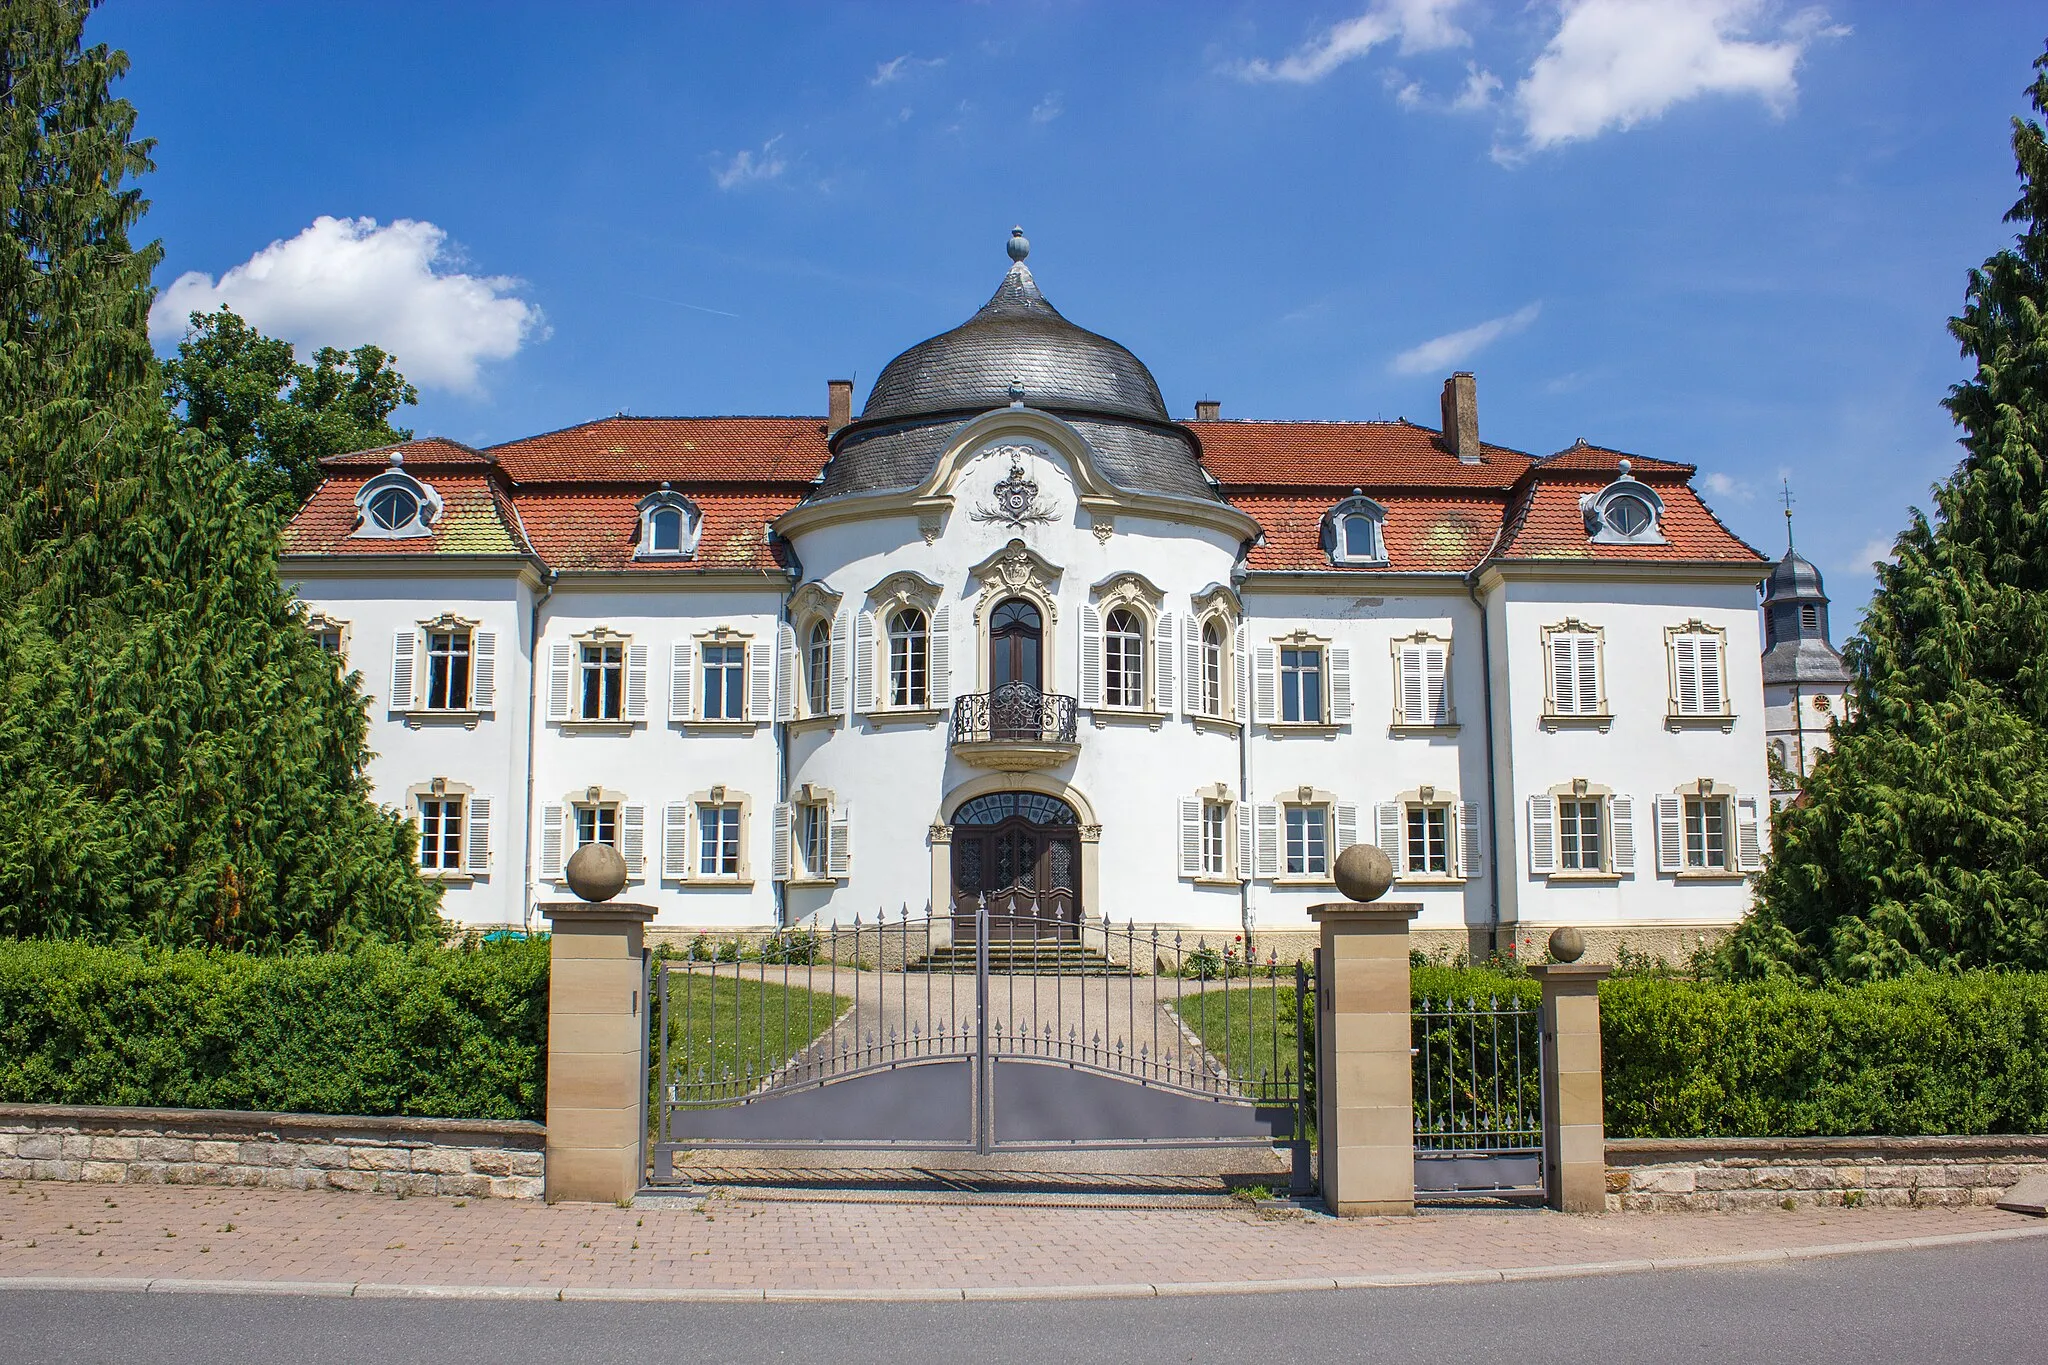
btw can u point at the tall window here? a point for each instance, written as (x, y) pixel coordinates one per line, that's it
(1706, 833)
(1360, 540)
(1215, 842)
(1696, 673)
(1578, 834)
(718, 840)
(1425, 693)
(1574, 673)
(1212, 669)
(1429, 839)
(725, 682)
(447, 670)
(597, 824)
(604, 681)
(818, 669)
(1308, 841)
(909, 659)
(1301, 686)
(813, 839)
(440, 833)
(665, 530)
(1123, 659)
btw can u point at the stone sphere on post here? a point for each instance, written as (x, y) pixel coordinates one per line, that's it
(596, 872)
(1363, 872)
(1567, 944)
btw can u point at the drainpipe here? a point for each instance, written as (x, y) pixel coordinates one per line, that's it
(1492, 797)
(548, 577)
(1244, 764)
(781, 731)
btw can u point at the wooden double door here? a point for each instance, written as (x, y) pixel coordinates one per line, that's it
(1022, 852)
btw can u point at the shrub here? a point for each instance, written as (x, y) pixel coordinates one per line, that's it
(433, 1032)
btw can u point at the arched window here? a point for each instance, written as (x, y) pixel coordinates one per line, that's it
(909, 659)
(394, 505)
(669, 523)
(818, 668)
(665, 530)
(1123, 657)
(1212, 668)
(1625, 512)
(1015, 644)
(393, 508)
(1809, 616)
(1627, 515)
(1352, 531)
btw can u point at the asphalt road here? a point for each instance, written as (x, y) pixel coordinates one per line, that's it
(1980, 1304)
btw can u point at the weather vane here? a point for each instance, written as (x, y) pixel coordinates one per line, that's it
(1786, 497)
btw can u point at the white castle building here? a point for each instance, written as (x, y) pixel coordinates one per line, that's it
(1014, 629)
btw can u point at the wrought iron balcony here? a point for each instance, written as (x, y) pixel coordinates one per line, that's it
(1014, 728)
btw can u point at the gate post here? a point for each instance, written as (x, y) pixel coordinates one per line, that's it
(597, 1062)
(1574, 1118)
(1365, 1127)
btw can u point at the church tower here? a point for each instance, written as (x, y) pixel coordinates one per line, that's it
(1805, 679)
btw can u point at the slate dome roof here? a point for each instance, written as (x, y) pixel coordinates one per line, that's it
(1793, 577)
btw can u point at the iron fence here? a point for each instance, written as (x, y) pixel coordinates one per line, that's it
(1478, 1094)
(1017, 713)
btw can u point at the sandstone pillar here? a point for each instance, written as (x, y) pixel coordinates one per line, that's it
(597, 1063)
(1574, 1119)
(1365, 1128)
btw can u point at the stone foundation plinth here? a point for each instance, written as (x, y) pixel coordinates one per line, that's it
(1663, 1175)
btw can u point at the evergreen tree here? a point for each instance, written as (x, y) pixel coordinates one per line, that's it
(276, 415)
(1922, 839)
(179, 761)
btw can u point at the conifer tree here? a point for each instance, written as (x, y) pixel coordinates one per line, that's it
(179, 761)
(1922, 839)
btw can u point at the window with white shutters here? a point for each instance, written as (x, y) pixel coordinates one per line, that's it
(1574, 673)
(1581, 834)
(1697, 687)
(675, 841)
(478, 857)
(1542, 835)
(1429, 840)
(1301, 685)
(1123, 659)
(601, 680)
(1422, 683)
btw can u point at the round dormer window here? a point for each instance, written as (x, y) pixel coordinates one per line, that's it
(393, 508)
(1628, 515)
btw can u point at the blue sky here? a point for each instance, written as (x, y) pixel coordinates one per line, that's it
(1721, 231)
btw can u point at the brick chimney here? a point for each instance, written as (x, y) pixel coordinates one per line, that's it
(1461, 417)
(1208, 410)
(838, 404)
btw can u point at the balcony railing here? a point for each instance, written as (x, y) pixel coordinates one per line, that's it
(1015, 713)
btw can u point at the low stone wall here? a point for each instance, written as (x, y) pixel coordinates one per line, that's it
(482, 1158)
(1656, 1175)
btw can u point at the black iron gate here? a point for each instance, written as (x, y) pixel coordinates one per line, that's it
(895, 1034)
(1478, 1067)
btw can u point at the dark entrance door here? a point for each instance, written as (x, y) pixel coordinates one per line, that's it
(1016, 672)
(1022, 851)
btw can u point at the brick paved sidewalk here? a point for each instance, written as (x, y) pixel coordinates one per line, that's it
(828, 1248)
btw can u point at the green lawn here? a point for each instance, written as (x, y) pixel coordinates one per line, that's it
(736, 1031)
(1250, 1028)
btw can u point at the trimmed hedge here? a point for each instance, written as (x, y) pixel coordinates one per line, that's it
(427, 1031)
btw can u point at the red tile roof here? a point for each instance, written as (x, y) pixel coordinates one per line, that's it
(1583, 458)
(428, 452)
(1423, 534)
(680, 450)
(1347, 454)
(584, 530)
(1545, 522)
(475, 519)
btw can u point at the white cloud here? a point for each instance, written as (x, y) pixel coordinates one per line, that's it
(1049, 108)
(1453, 348)
(746, 168)
(1873, 552)
(1476, 94)
(347, 281)
(1723, 486)
(1420, 25)
(1618, 63)
(896, 68)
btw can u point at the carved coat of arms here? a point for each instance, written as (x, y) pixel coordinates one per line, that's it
(1016, 503)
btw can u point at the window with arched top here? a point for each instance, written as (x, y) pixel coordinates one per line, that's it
(818, 669)
(1213, 653)
(1123, 659)
(1625, 512)
(396, 506)
(1353, 531)
(669, 524)
(909, 658)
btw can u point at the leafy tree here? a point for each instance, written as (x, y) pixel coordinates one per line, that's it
(179, 761)
(1922, 839)
(277, 415)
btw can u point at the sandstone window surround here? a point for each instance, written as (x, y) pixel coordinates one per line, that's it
(1581, 831)
(1299, 833)
(706, 839)
(1431, 836)
(1017, 572)
(454, 825)
(1215, 837)
(331, 634)
(396, 506)
(1575, 676)
(1697, 654)
(722, 679)
(669, 526)
(813, 838)
(1302, 683)
(592, 815)
(1213, 666)
(444, 670)
(1422, 683)
(597, 680)
(1706, 830)
(814, 682)
(902, 652)
(1127, 652)
(1354, 531)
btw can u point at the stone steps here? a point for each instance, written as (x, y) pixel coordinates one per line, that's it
(1023, 958)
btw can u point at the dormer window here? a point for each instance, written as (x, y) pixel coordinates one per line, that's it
(1626, 512)
(669, 523)
(395, 505)
(1352, 531)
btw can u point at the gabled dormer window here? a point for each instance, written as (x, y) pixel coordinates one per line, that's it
(1353, 531)
(395, 505)
(669, 523)
(1626, 512)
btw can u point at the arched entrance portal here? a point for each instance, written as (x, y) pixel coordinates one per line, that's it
(1022, 850)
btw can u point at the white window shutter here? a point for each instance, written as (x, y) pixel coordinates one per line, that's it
(1191, 674)
(1246, 858)
(760, 681)
(840, 663)
(1340, 684)
(1269, 840)
(1162, 659)
(636, 682)
(560, 671)
(1266, 684)
(1621, 833)
(550, 841)
(1091, 656)
(1685, 666)
(1238, 670)
(680, 662)
(1471, 841)
(783, 816)
(1589, 674)
(1564, 678)
(1190, 837)
(1749, 839)
(786, 672)
(404, 646)
(1542, 835)
(839, 856)
(1670, 834)
(675, 840)
(1711, 691)
(1414, 709)
(1347, 829)
(1387, 831)
(940, 663)
(479, 855)
(633, 837)
(864, 662)
(1436, 686)
(483, 670)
